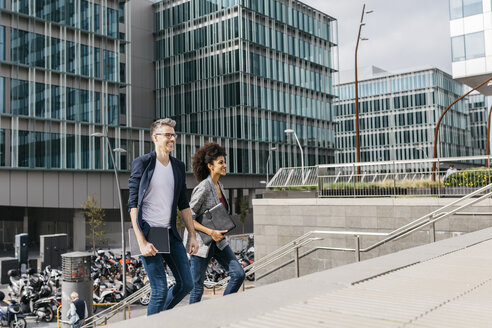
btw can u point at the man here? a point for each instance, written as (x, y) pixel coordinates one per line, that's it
(157, 187)
(77, 312)
(450, 171)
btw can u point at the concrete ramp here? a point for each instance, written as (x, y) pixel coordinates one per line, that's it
(444, 284)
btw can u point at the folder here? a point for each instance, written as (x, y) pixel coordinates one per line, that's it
(158, 236)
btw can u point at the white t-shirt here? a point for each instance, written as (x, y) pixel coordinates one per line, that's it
(158, 199)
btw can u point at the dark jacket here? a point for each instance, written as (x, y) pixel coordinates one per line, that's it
(80, 308)
(142, 170)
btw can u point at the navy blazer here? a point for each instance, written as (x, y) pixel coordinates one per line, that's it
(142, 170)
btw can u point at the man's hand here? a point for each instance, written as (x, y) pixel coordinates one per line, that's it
(147, 249)
(217, 235)
(192, 246)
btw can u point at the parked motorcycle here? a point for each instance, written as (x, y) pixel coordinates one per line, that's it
(38, 304)
(17, 282)
(10, 314)
(105, 292)
(214, 273)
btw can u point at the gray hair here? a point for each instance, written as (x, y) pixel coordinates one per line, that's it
(74, 295)
(160, 122)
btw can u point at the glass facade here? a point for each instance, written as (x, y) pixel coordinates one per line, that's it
(60, 87)
(2, 95)
(478, 105)
(2, 42)
(240, 73)
(397, 117)
(464, 8)
(84, 15)
(468, 46)
(65, 56)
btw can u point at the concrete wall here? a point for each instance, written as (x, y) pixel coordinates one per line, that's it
(279, 221)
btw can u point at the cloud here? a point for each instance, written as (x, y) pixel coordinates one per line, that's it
(402, 34)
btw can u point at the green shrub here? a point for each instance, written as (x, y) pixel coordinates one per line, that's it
(469, 178)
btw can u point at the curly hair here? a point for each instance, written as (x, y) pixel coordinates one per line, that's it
(206, 155)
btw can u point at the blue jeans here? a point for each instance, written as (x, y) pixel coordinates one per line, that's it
(227, 259)
(161, 299)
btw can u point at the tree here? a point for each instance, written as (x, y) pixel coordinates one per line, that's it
(243, 210)
(94, 216)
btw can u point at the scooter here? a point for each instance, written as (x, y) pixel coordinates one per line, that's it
(17, 282)
(10, 314)
(214, 273)
(105, 293)
(38, 304)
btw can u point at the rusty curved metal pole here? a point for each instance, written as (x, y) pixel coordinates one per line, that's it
(436, 131)
(356, 86)
(487, 151)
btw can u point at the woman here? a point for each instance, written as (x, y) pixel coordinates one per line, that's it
(208, 166)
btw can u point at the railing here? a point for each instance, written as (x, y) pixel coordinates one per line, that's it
(295, 177)
(101, 318)
(390, 178)
(453, 208)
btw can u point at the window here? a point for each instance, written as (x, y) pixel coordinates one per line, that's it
(40, 149)
(55, 149)
(455, 9)
(112, 23)
(84, 13)
(121, 13)
(2, 147)
(472, 7)
(19, 95)
(458, 48)
(56, 101)
(474, 45)
(2, 95)
(40, 105)
(468, 46)
(70, 153)
(2, 42)
(109, 65)
(23, 148)
(464, 8)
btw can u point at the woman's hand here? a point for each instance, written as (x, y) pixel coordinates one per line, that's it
(217, 235)
(147, 249)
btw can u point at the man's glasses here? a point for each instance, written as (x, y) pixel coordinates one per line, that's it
(167, 135)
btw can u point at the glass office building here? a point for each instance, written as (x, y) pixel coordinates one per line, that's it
(471, 37)
(479, 106)
(240, 72)
(63, 77)
(397, 116)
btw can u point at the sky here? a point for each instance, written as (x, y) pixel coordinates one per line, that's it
(402, 34)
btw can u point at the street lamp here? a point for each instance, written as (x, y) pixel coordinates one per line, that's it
(117, 150)
(290, 131)
(356, 86)
(268, 159)
(487, 152)
(436, 131)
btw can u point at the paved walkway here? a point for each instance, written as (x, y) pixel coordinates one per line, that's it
(454, 290)
(444, 284)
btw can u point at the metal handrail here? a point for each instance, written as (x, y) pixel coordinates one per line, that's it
(113, 310)
(408, 161)
(426, 220)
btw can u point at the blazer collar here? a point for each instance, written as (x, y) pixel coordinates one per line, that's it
(151, 167)
(214, 192)
(174, 165)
